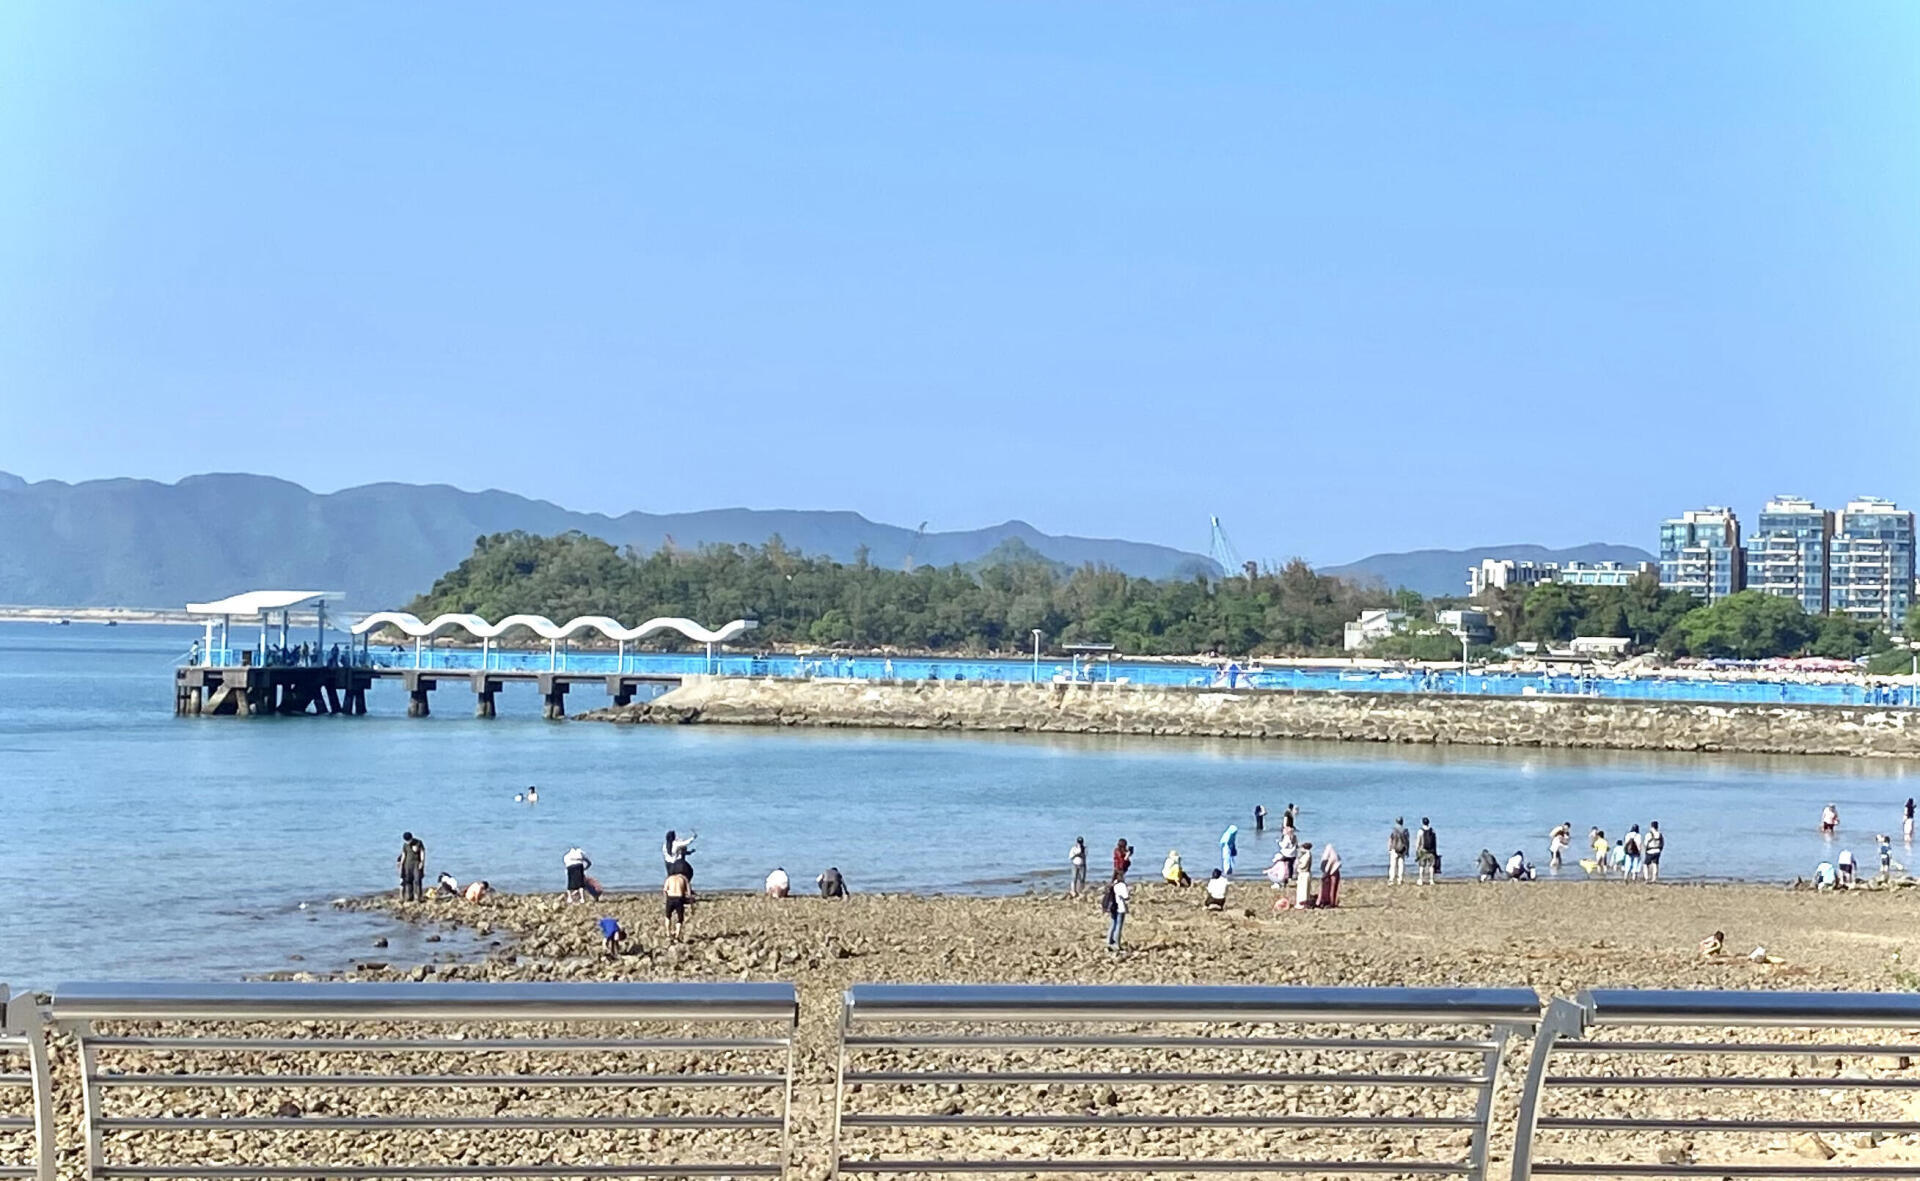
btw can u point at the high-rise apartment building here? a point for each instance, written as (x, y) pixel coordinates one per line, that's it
(1871, 568)
(1787, 552)
(1700, 553)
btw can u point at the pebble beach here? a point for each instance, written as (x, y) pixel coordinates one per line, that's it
(1556, 938)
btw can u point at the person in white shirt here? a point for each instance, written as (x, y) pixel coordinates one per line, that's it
(778, 884)
(577, 863)
(1116, 907)
(1077, 858)
(1517, 868)
(1216, 892)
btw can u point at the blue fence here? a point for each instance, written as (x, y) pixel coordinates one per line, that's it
(1226, 676)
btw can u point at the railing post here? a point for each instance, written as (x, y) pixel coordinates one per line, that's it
(1563, 1017)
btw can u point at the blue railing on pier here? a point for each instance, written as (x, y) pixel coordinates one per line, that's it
(1230, 677)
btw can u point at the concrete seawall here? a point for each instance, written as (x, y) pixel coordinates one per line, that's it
(1347, 717)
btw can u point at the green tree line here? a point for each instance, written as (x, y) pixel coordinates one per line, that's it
(998, 603)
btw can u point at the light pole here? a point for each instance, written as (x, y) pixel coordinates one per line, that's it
(1036, 655)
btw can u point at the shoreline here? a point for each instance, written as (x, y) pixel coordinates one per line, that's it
(1336, 715)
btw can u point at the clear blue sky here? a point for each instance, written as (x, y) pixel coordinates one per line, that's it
(1355, 277)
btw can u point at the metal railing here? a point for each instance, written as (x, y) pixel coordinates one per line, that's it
(1665, 1098)
(1365, 1080)
(611, 1080)
(26, 1090)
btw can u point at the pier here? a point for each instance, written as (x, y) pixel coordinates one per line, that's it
(330, 674)
(247, 690)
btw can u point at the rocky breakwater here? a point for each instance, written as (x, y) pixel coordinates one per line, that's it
(1347, 717)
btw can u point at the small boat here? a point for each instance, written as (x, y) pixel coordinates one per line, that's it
(63, 623)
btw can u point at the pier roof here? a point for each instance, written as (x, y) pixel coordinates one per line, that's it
(259, 602)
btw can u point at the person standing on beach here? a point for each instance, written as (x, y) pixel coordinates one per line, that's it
(1630, 845)
(1259, 818)
(1114, 904)
(1077, 859)
(413, 868)
(679, 892)
(1303, 877)
(1122, 858)
(1829, 820)
(1907, 825)
(1426, 853)
(1289, 849)
(1399, 844)
(576, 863)
(1329, 876)
(1650, 850)
(1229, 848)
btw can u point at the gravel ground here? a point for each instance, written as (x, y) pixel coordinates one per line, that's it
(1555, 937)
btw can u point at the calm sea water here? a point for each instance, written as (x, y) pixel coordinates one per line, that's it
(133, 843)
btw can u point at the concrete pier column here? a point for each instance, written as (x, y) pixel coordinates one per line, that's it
(553, 695)
(417, 706)
(332, 704)
(483, 706)
(196, 701)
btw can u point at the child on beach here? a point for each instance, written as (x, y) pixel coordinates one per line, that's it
(611, 933)
(1845, 867)
(1886, 857)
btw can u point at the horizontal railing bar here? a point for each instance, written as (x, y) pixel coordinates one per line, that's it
(498, 1123)
(1731, 1082)
(1600, 1124)
(1156, 1077)
(436, 1001)
(1590, 1047)
(18, 1171)
(1638, 1169)
(1653, 1006)
(16, 1080)
(368, 1173)
(1157, 1121)
(348, 1045)
(1148, 1165)
(16, 1121)
(439, 1080)
(1241, 1004)
(1170, 1043)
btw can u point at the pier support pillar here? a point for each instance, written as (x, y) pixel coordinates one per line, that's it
(332, 704)
(196, 701)
(553, 695)
(483, 706)
(417, 704)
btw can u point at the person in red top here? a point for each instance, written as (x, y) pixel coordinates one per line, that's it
(1122, 858)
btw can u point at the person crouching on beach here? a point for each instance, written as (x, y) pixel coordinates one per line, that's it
(679, 892)
(1113, 903)
(577, 863)
(1173, 873)
(1216, 898)
(779, 885)
(831, 883)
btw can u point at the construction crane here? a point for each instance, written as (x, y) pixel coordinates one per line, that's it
(913, 547)
(1220, 549)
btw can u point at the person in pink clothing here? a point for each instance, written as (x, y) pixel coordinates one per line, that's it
(1329, 876)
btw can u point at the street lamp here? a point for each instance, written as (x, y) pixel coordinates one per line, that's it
(1036, 655)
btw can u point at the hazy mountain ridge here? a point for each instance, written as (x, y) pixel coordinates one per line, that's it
(1444, 571)
(144, 543)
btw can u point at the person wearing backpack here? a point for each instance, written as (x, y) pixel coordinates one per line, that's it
(1427, 852)
(1113, 903)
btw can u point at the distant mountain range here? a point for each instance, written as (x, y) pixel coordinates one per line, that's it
(1435, 572)
(147, 544)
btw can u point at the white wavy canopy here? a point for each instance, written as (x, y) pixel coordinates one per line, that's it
(547, 629)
